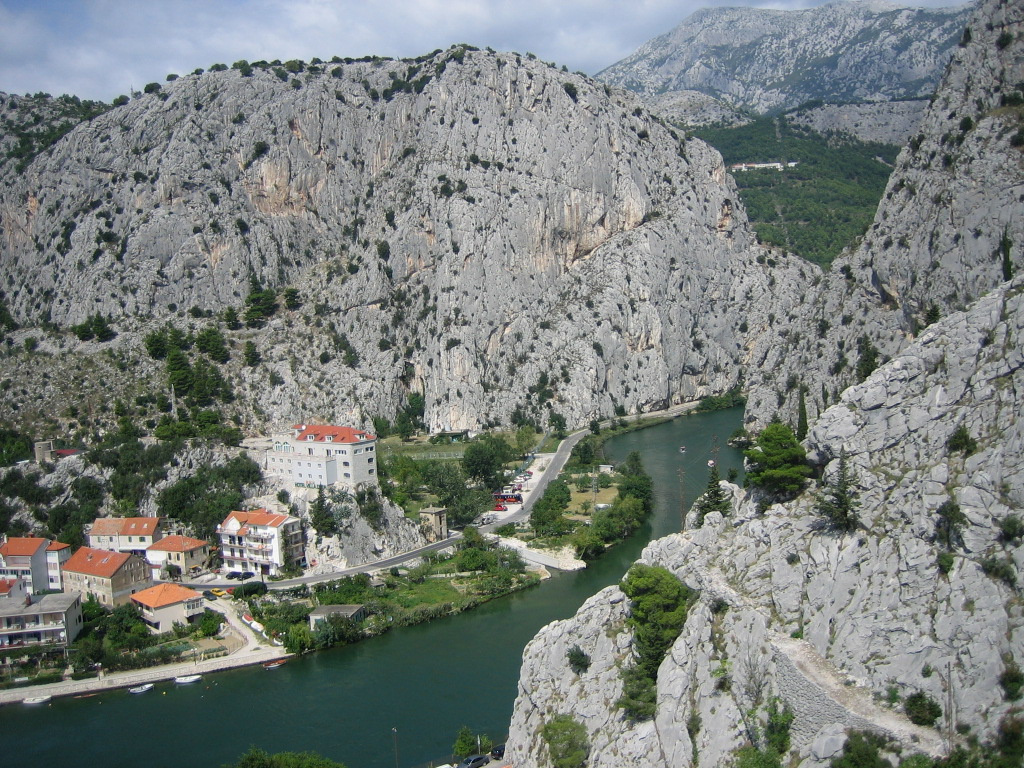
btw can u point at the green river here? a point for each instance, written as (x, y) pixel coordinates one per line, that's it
(425, 681)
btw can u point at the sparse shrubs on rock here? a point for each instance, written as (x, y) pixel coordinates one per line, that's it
(1012, 680)
(922, 709)
(1011, 529)
(999, 568)
(945, 562)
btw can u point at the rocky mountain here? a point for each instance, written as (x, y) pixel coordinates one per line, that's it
(765, 60)
(921, 598)
(885, 122)
(482, 228)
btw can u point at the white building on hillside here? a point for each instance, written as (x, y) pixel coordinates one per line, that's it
(311, 456)
(260, 541)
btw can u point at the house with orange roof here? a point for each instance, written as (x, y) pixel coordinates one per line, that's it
(111, 577)
(48, 620)
(312, 455)
(125, 534)
(24, 557)
(164, 605)
(178, 555)
(261, 541)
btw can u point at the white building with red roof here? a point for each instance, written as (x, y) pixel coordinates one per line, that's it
(111, 577)
(125, 534)
(261, 541)
(164, 605)
(187, 554)
(314, 455)
(24, 557)
(57, 553)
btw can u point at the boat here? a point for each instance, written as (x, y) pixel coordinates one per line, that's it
(274, 663)
(711, 462)
(682, 449)
(144, 688)
(37, 700)
(186, 679)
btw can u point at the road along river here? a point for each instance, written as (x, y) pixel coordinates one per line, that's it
(424, 681)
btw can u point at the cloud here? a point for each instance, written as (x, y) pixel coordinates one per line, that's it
(101, 48)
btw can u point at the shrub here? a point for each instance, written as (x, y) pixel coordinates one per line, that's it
(571, 90)
(1011, 528)
(579, 661)
(778, 461)
(996, 568)
(962, 441)
(567, 742)
(922, 709)
(1012, 680)
(151, 88)
(945, 562)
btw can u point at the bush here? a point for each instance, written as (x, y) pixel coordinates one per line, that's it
(996, 568)
(778, 462)
(945, 562)
(567, 742)
(250, 589)
(1012, 681)
(922, 709)
(962, 441)
(579, 661)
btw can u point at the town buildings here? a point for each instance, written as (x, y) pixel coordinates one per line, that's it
(125, 534)
(164, 605)
(25, 558)
(48, 620)
(260, 541)
(111, 577)
(311, 456)
(174, 556)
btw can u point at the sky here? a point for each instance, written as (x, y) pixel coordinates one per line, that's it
(98, 49)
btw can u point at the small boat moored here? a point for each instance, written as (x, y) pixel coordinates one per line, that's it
(144, 688)
(186, 679)
(274, 663)
(37, 700)
(682, 449)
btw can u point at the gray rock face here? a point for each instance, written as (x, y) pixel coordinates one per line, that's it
(498, 225)
(872, 606)
(835, 52)
(890, 122)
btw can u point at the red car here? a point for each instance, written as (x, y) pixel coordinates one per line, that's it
(500, 508)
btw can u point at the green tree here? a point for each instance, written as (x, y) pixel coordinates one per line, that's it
(951, 521)
(867, 361)
(469, 743)
(778, 463)
(962, 441)
(714, 499)
(179, 372)
(484, 459)
(658, 606)
(291, 299)
(231, 321)
(258, 758)
(568, 744)
(251, 354)
(801, 419)
(526, 439)
(837, 502)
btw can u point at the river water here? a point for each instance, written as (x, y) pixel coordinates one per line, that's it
(425, 682)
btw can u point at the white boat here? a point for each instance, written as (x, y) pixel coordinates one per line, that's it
(682, 449)
(37, 700)
(711, 462)
(186, 679)
(144, 688)
(274, 664)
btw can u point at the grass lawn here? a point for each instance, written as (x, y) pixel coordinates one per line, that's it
(428, 592)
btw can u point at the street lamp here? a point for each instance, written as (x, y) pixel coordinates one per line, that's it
(394, 736)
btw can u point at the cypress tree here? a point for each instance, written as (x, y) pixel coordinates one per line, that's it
(801, 423)
(838, 502)
(714, 498)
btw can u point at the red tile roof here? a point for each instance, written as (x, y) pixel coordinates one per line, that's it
(164, 594)
(320, 433)
(21, 546)
(97, 562)
(257, 517)
(177, 544)
(124, 526)
(6, 585)
(56, 546)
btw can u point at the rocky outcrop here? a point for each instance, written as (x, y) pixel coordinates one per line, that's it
(841, 51)
(478, 227)
(887, 122)
(874, 607)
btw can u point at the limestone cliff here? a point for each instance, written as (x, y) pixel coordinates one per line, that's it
(874, 607)
(767, 60)
(478, 227)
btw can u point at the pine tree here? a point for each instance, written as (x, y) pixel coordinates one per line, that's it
(714, 498)
(801, 423)
(838, 500)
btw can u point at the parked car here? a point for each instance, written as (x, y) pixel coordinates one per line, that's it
(209, 594)
(245, 575)
(218, 592)
(474, 761)
(230, 591)
(234, 575)
(498, 752)
(500, 508)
